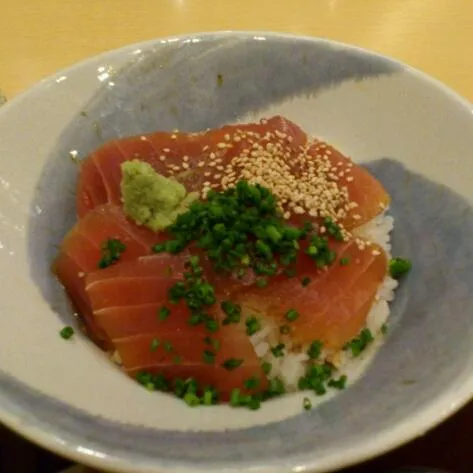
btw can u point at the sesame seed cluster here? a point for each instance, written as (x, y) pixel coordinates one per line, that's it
(307, 179)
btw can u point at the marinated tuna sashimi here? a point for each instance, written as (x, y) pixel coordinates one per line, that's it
(83, 251)
(130, 301)
(223, 266)
(274, 152)
(334, 308)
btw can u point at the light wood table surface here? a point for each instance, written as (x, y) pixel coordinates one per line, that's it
(38, 38)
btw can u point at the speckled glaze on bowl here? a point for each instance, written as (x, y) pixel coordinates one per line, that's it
(411, 131)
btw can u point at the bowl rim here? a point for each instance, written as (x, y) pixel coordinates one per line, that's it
(426, 419)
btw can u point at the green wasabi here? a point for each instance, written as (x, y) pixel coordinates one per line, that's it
(151, 199)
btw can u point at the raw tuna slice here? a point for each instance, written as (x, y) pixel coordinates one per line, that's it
(126, 300)
(217, 159)
(333, 307)
(185, 155)
(81, 251)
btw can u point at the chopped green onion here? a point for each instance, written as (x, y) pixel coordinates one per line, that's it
(305, 281)
(208, 357)
(163, 313)
(154, 344)
(315, 350)
(235, 397)
(266, 367)
(191, 399)
(292, 315)
(177, 360)
(276, 387)
(111, 252)
(214, 343)
(307, 404)
(339, 383)
(278, 350)
(273, 234)
(399, 267)
(168, 347)
(262, 282)
(195, 319)
(211, 325)
(232, 363)
(344, 261)
(233, 312)
(252, 325)
(207, 398)
(67, 332)
(251, 383)
(358, 344)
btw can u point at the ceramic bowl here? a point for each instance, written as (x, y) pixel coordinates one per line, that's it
(412, 132)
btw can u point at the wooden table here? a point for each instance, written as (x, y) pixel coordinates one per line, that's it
(37, 38)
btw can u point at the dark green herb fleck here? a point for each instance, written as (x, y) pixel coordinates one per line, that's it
(398, 267)
(315, 350)
(252, 325)
(305, 281)
(339, 383)
(251, 383)
(278, 350)
(358, 344)
(208, 357)
(232, 363)
(163, 313)
(262, 282)
(67, 332)
(266, 367)
(307, 404)
(191, 399)
(177, 360)
(111, 251)
(292, 315)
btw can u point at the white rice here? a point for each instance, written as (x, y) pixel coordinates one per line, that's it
(292, 365)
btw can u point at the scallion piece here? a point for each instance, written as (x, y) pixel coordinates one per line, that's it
(278, 350)
(307, 404)
(67, 332)
(292, 315)
(163, 313)
(232, 363)
(398, 267)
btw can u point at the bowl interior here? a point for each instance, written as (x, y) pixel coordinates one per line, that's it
(411, 132)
